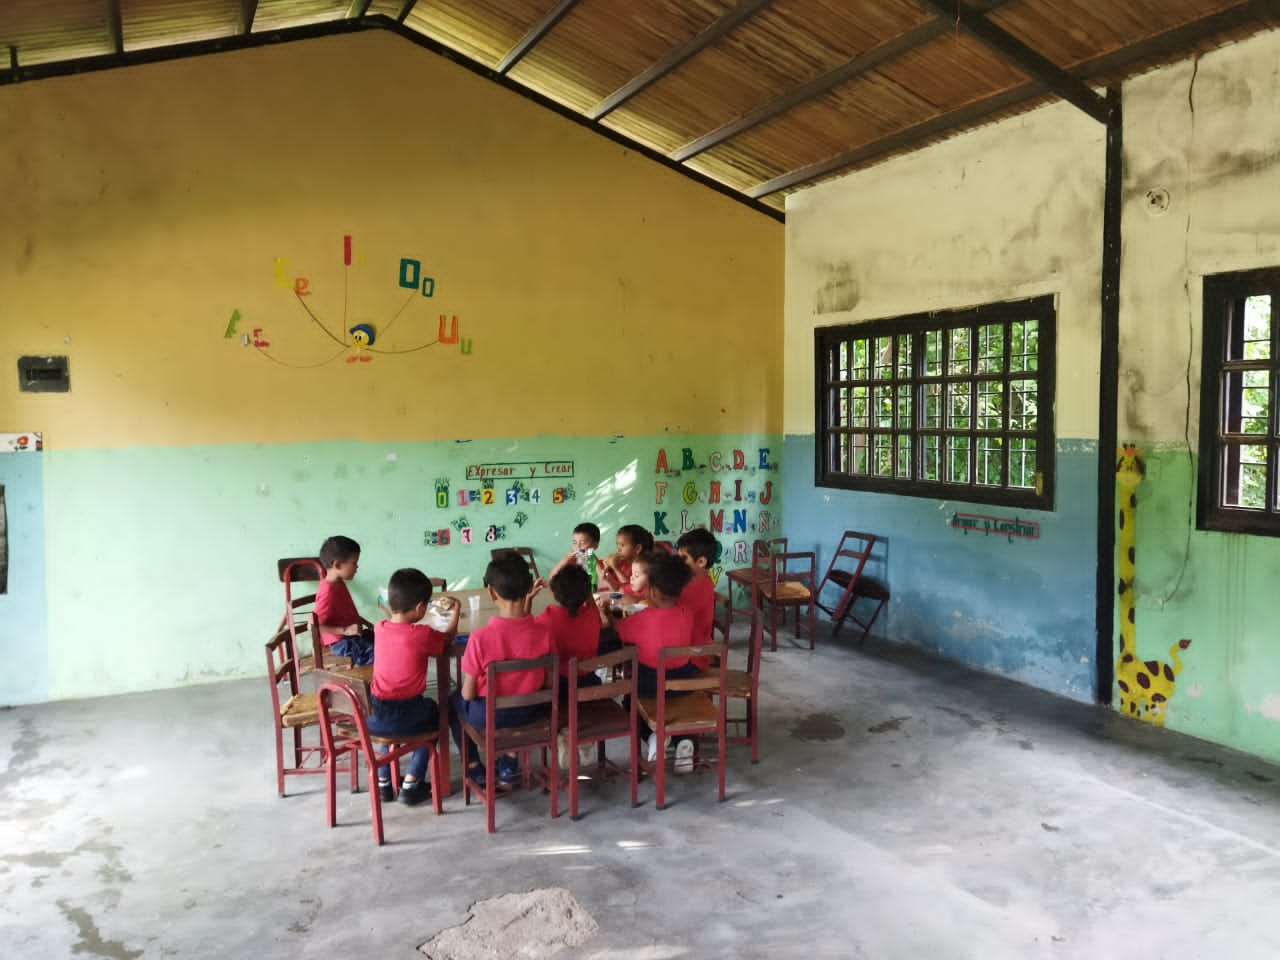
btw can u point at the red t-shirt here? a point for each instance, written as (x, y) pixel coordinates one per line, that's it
(654, 628)
(572, 636)
(699, 598)
(401, 654)
(623, 580)
(506, 639)
(334, 609)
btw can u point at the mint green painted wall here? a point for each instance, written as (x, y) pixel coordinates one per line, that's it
(1218, 590)
(162, 564)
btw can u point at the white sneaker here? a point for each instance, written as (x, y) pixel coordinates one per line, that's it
(651, 748)
(562, 750)
(684, 757)
(586, 755)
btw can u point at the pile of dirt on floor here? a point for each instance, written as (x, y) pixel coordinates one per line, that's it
(517, 926)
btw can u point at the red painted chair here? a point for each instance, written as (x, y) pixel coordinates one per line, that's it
(522, 741)
(344, 730)
(595, 714)
(293, 711)
(700, 713)
(789, 581)
(744, 685)
(845, 572)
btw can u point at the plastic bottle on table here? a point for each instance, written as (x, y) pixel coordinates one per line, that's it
(589, 563)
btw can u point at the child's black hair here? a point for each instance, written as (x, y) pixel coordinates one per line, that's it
(572, 589)
(591, 530)
(406, 589)
(336, 549)
(509, 575)
(699, 544)
(638, 536)
(668, 574)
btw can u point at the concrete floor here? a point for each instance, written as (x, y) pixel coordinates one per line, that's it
(903, 808)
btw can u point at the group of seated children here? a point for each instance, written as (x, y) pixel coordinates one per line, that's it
(675, 603)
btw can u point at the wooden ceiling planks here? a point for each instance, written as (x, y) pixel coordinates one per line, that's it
(483, 30)
(760, 95)
(276, 14)
(572, 64)
(156, 23)
(44, 31)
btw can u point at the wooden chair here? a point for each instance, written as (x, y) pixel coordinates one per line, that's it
(700, 713)
(846, 573)
(522, 741)
(745, 685)
(298, 608)
(595, 715)
(293, 711)
(745, 577)
(664, 545)
(526, 552)
(343, 704)
(789, 581)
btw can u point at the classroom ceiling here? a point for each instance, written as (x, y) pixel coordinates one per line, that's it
(756, 98)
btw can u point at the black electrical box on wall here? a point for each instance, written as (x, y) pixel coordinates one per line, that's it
(44, 375)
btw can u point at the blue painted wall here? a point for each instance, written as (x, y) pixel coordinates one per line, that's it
(1023, 609)
(23, 647)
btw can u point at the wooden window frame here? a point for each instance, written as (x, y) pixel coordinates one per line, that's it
(1224, 297)
(909, 378)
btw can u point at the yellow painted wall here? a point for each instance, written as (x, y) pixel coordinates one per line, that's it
(144, 205)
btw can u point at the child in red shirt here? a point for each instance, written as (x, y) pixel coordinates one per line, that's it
(632, 540)
(404, 651)
(572, 621)
(698, 549)
(510, 635)
(344, 632)
(663, 623)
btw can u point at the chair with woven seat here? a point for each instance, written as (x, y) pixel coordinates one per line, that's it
(789, 581)
(523, 740)
(293, 711)
(526, 552)
(699, 712)
(745, 577)
(298, 608)
(846, 573)
(595, 715)
(343, 705)
(745, 685)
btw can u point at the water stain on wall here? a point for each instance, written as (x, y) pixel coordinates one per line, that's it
(839, 290)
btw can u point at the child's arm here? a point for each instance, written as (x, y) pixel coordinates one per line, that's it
(468, 687)
(455, 607)
(609, 573)
(538, 586)
(605, 611)
(568, 558)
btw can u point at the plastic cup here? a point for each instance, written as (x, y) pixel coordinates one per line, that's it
(473, 607)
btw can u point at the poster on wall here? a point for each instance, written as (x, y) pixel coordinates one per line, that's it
(30, 442)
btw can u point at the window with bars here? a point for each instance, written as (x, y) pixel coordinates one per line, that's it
(955, 405)
(1239, 428)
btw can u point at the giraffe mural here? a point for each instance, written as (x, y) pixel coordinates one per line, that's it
(1145, 685)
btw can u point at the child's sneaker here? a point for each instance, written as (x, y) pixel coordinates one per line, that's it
(684, 757)
(385, 792)
(508, 771)
(651, 748)
(562, 750)
(414, 792)
(586, 755)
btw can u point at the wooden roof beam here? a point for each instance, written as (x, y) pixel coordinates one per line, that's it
(863, 63)
(1029, 61)
(115, 26)
(357, 9)
(1173, 41)
(404, 10)
(534, 34)
(739, 15)
(244, 22)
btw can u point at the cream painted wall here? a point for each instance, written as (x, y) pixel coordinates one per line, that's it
(1208, 133)
(1008, 211)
